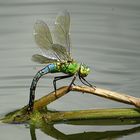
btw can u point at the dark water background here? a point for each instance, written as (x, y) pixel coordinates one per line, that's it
(105, 35)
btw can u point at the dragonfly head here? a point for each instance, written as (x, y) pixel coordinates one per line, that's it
(84, 70)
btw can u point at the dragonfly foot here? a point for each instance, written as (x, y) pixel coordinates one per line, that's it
(74, 84)
(94, 87)
(55, 94)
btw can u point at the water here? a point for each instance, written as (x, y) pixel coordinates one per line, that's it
(105, 35)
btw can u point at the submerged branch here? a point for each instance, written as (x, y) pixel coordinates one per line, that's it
(115, 116)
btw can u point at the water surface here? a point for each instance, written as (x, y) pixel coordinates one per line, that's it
(105, 35)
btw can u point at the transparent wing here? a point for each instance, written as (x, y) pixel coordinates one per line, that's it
(43, 38)
(61, 52)
(42, 35)
(61, 30)
(42, 59)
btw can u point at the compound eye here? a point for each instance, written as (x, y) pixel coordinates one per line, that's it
(83, 71)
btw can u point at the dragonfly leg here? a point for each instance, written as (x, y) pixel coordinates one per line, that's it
(85, 82)
(72, 82)
(59, 78)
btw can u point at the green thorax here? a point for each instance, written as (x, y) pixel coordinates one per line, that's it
(68, 67)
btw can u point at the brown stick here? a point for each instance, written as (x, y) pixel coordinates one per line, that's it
(99, 92)
(47, 99)
(120, 97)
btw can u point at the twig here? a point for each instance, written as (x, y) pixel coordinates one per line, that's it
(120, 97)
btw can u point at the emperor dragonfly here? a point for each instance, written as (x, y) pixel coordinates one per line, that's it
(57, 55)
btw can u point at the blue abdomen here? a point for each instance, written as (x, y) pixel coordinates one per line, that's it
(50, 68)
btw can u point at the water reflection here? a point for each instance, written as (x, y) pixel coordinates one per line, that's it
(50, 130)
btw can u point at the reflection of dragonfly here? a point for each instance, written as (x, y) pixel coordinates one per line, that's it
(56, 54)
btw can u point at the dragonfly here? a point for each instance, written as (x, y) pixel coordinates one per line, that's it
(56, 54)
